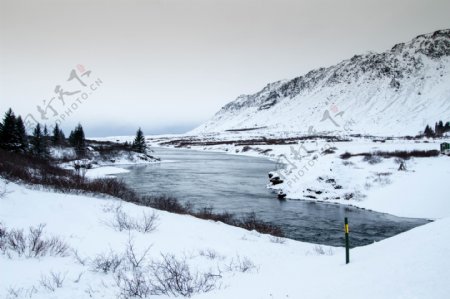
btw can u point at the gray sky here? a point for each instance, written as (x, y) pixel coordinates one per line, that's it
(169, 65)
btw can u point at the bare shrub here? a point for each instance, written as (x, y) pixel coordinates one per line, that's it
(12, 292)
(208, 214)
(122, 221)
(135, 284)
(45, 172)
(172, 276)
(33, 245)
(371, 159)
(106, 263)
(166, 203)
(320, 250)
(132, 280)
(16, 241)
(53, 281)
(78, 258)
(251, 222)
(133, 259)
(136, 278)
(210, 254)
(382, 178)
(241, 265)
(38, 246)
(396, 154)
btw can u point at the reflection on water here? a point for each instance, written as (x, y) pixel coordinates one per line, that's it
(237, 184)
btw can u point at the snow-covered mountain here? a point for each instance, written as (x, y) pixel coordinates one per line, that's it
(396, 92)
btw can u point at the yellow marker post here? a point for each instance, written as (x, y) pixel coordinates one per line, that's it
(347, 245)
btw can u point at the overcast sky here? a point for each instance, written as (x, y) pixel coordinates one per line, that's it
(169, 65)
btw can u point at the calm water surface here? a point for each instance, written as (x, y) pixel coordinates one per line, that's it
(237, 184)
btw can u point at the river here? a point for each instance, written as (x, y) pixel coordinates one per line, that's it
(237, 184)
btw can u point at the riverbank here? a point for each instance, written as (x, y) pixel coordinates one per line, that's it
(245, 264)
(313, 169)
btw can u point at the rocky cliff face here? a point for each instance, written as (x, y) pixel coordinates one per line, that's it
(396, 92)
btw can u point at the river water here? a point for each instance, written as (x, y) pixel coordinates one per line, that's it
(237, 184)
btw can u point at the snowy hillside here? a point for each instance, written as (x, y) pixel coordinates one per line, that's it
(240, 263)
(396, 92)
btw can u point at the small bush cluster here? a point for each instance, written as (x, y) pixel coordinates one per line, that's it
(248, 221)
(39, 171)
(210, 254)
(372, 159)
(173, 277)
(53, 281)
(17, 292)
(166, 203)
(31, 245)
(395, 154)
(107, 263)
(122, 221)
(320, 250)
(241, 265)
(137, 277)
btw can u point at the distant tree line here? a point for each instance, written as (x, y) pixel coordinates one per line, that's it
(14, 138)
(439, 129)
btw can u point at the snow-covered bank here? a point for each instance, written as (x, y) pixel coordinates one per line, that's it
(101, 159)
(313, 169)
(104, 171)
(418, 261)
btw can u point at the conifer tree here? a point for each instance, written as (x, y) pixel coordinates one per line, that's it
(139, 144)
(447, 127)
(45, 131)
(439, 130)
(58, 136)
(78, 141)
(8, 138)
(62, 136)
(428, 132)
(38, 143)
(21, 135)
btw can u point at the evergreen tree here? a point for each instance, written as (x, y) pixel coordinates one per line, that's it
(428, 132)
(78, 141)
(58, 136)
(21, 134)
(45, 131)
(62, 136)
(139, 144)
(439, 128)
(8, 138)
(38, 143)
(447, 127)
(46, 136)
